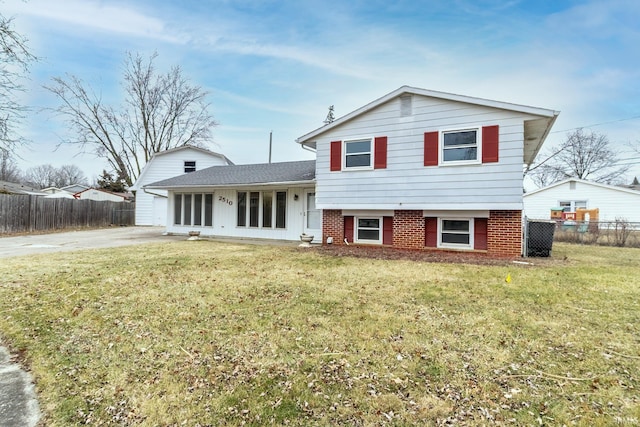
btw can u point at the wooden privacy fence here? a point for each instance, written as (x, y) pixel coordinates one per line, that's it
(23, 213)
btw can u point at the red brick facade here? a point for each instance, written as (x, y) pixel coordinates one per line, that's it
(504, 234)
(504, 231)
(333, 226)
(408, 229)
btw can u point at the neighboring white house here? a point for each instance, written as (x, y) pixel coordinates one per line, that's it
(414, 169)
(99, 195)
(611, 201)
(69, 189)
(151, 205)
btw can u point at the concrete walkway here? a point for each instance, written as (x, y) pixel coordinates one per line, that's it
(18, 402)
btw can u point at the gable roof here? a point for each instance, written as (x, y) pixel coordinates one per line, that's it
(146, 167)
(74, 188)
(582, 181)
(536, 131)
(192, 147)
(243, 175)
(77, 195)
(7, 187)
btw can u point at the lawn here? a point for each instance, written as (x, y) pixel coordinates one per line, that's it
(205, 333)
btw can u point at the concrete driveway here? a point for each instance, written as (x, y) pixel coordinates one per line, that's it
(78, 240)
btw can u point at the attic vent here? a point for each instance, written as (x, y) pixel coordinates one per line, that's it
(405, 105)
(189, 166)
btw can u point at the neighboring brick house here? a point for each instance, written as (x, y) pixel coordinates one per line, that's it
(422, 169)
(415, 169)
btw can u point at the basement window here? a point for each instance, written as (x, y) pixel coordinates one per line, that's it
(455, 233)
(368, 230)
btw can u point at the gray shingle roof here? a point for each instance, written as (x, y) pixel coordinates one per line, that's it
(233, 175)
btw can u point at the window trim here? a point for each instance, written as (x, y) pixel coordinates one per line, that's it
(356, 228)
(371, 154)
(461, 246)
(441, 148)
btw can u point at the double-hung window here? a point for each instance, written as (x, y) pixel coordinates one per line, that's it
(262, 209)
(368, 230)
(573, 205)
(456, 233)
(357, 154)
(460, 146)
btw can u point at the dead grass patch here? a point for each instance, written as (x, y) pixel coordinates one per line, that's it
(204, 333)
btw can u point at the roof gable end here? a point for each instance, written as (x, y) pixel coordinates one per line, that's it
(585, 182)
(542, 112)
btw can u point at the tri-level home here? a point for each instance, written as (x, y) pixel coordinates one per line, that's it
(415, 169)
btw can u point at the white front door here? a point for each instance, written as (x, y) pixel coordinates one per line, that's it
(312, 216)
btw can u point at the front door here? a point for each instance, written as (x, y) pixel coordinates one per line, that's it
(312, 216)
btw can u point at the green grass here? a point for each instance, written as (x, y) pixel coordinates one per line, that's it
(204, 333)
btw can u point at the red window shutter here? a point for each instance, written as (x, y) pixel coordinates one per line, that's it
(380, 154)
(336, 155)
(387, 230)
(490, 137)
(480, 234)
(431, 232)
(348, 228)
(431, 148)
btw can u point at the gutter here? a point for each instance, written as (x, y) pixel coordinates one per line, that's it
(154, 194)
(248, 185)
(304, 147)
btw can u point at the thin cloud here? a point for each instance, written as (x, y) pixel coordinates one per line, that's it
(97, 16)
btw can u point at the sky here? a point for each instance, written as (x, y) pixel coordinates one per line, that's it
(276, 66)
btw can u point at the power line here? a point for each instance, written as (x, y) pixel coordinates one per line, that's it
(597, 124)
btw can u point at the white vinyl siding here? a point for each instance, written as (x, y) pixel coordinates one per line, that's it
(161, 167)
(406, 183)
(287, 219)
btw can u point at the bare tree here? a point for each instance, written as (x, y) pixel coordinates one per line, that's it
(68, 175)
(14, 65)
(8, 168)
(160, 111)
(41, 176)
(585, 155)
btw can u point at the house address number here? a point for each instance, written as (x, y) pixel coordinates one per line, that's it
(225, 200)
